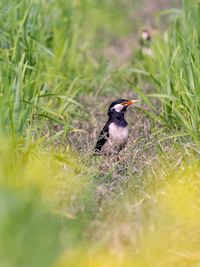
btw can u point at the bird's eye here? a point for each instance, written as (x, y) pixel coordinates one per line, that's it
(125, 104)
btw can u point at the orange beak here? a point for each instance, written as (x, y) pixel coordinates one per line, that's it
(130, 102)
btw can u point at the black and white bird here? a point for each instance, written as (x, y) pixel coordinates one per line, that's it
(114, 135)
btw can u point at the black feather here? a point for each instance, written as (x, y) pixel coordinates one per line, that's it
(103, 136)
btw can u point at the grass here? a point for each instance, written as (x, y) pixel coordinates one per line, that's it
(174, 73)
(42, 197)
(48, 56)
(130, 225)
(62, 206)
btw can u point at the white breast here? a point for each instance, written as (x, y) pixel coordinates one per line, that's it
(118, 135)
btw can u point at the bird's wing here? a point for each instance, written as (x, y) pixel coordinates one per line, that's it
(103, 137)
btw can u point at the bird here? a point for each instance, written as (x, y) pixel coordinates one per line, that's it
(146, 40)
(114, 135)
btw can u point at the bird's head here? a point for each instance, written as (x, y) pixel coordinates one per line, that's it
(147, 34)
(119, 106)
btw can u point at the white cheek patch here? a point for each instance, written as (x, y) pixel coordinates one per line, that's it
(118, 107)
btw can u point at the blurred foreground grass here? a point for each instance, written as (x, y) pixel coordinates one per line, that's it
(41, 194)
(159, 228)
(51, 217)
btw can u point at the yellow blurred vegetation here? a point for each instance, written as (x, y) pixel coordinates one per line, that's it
(168, 225)
(157, 227)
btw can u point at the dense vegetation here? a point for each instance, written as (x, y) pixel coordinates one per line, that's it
(62, 206)
(174, 71)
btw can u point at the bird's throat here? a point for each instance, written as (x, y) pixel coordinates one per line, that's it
(118, 119)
